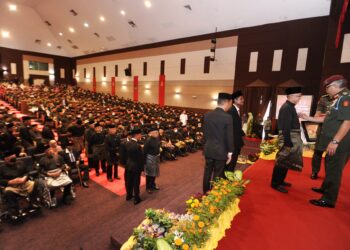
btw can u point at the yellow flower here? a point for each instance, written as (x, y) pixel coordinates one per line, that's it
(193, 205)
(185, 247)
(196, 217)
(196, 201)
(178, 242)
(201, 224)
(195, 247)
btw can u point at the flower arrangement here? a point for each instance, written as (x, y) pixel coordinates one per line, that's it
(165, 230)
(269, 146)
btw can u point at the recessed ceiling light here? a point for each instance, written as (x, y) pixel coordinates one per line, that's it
(61, 34)
(71, 29)
(102, 18)
(5, 34)
(86, 25)
(12, 7)
(122, 12)
(148, 4)
(49, 44)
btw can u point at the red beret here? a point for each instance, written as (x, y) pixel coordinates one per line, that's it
(331, 79)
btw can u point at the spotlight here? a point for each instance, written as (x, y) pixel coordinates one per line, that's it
(213, 41)
(212, 58)
(212, 50)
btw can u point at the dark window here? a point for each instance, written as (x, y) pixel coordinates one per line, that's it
(84, 72)
(116, 70)
(104, 71)
(38, 66)
(94, 72)
(183, 66)
(206, 64)
(129, 67)
(145, 68)
(162, 67)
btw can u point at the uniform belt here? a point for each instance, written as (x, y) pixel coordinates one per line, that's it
(292, 131)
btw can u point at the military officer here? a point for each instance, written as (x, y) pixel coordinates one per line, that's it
(334, 139)
(322, 107)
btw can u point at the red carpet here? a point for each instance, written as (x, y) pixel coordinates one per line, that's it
(117, 186)
(272, 220)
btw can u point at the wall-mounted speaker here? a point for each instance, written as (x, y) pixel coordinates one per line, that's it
(127, 72)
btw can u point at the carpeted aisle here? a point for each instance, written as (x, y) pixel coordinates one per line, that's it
(272, 220)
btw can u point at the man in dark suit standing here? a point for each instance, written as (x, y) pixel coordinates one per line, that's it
(238, 102)
(134, 166)
(218, 134)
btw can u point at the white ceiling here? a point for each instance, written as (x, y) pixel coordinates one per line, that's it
(165, 20)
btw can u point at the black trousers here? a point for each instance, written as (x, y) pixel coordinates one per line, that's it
(112, 167)
(231, 167)
(97, 165)
(90, 162)
(334, 169)
(132, 182)
(213, 168)
(150, 182)
(316, 161)
(278, 175)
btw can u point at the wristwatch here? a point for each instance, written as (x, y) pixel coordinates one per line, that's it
(334, 141)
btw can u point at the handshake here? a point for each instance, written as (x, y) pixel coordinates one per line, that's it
(304, 116)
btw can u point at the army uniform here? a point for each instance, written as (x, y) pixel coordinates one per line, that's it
(323, 105)
(338, 113)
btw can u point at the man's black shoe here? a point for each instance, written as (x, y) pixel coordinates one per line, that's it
(286, 184)
(314, 176)
(156, 188)
(129, 197)
(110, 179)
(280, 189)
(97, 174)
(321, 203)
(318, 190)
(85, 185)
(67, 199)
(137, 201)
(118, 178)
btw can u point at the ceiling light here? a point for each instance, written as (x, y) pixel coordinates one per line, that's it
(122, 12)
(102, 18)
(86, 25)
(71, 29)
(5, 34)
(148, 4)
(61, 34)
(49, 44)
(12, 7)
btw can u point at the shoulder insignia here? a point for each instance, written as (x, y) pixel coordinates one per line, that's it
(346, 103)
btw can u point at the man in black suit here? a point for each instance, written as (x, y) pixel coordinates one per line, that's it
(134, 166)
(238, 102)
(218, 134)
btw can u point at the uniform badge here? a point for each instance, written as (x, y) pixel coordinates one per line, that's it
(346, 103)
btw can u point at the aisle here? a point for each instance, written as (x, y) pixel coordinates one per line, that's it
(272, 220)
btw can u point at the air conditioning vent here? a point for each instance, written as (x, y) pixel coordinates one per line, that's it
(75, 47)
(188, 7)
(48, 23)
(70, 41)
(97, 35)
(74, 13)
(132, 24)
